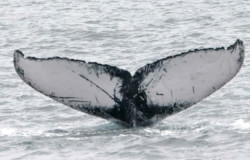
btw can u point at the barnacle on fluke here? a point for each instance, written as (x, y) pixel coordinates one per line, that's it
(155, 91)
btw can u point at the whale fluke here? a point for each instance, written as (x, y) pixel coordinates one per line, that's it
(155, 91)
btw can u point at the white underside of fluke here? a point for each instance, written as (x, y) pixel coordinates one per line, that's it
(191, 76)
(70, 82)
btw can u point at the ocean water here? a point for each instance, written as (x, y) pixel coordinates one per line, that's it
(127, 34)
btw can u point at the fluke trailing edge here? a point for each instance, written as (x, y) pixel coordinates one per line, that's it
(155, 91)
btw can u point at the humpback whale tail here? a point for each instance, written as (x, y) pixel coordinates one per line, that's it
(155, 91)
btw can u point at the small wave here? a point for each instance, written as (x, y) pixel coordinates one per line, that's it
(7, 131)
(241, 124)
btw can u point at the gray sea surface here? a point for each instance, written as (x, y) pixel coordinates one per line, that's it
(127, 34)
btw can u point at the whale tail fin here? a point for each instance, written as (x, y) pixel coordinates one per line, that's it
(179, 81)
(161, 88)
(89, 87)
